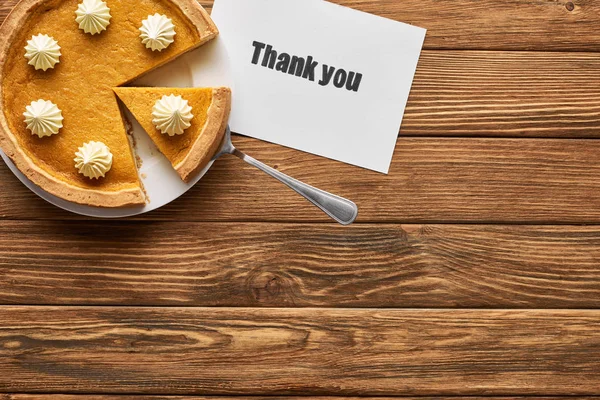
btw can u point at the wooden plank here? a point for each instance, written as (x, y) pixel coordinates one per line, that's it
(484, 24)
(280, 265)
(495, 25)
(508, 94)
(134, 397)
(504, 94)
(299, 351)
(431, 180)
(166, 397)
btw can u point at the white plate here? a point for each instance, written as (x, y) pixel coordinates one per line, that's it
(207, 66)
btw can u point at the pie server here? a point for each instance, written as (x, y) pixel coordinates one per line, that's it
(340, 209)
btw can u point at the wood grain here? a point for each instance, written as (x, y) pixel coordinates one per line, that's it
(146, 397)
(231, 242)
(484, 24)
(431, 180)
(202, 264)
(299, 351)
(504, 94)
(495, 25)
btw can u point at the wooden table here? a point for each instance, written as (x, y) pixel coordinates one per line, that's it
(473, 268)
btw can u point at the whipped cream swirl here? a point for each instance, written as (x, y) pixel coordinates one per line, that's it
(93, 160)
(158, 32)
(42, 51)
(172, 115)
(93, 16)
(43, 118)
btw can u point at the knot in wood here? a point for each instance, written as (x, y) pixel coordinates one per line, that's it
(265, 286)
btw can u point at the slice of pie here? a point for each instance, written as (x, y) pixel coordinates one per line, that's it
(191, 149)
(98, 51)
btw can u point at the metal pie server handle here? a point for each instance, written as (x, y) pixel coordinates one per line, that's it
(340, 209)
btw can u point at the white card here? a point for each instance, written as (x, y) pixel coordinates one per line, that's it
(337, 85)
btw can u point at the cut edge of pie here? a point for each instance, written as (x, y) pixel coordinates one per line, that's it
(10, 145)
(207, 142)
(62, 189)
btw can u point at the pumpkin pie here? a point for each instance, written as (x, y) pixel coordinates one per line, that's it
(191, 149)
(95, 56)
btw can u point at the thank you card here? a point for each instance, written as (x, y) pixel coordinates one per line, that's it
(319, 77)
